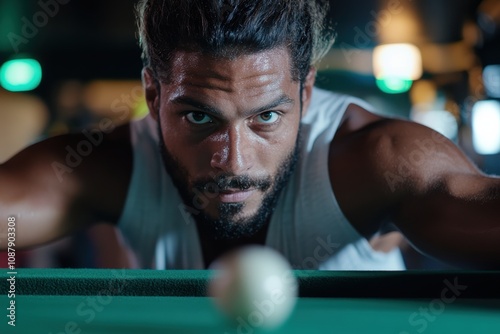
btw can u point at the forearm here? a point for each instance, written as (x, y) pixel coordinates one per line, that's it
(457, 226)
(29, 225)
(38, 213)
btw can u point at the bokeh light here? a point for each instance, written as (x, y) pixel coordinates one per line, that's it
(486, 127)
(19, 75)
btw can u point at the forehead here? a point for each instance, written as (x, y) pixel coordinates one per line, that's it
(250, 74)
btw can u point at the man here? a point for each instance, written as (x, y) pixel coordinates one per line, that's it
(239, 148)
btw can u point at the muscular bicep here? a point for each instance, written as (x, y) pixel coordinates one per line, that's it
(398, 172)
(31, 191)
(456, 220)
(442, 203)
(52, 189)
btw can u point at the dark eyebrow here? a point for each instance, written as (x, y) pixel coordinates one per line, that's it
(197, 104)
(283, 99)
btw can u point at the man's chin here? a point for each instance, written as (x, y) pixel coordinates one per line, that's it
(231, 213)
(232, 223)
(215, 209)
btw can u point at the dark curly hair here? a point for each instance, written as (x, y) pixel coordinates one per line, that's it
(229, 28)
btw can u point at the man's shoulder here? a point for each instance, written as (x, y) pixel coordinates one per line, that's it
(91, 169)
(90, 146)
(77, 149)
(102, 162)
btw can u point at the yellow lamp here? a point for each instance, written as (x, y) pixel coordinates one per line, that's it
(396, 66)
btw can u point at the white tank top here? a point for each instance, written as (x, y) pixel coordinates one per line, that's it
(307, 227)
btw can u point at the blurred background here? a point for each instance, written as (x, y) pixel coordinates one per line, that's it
(68, 64)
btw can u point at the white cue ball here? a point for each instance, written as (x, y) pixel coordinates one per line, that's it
(255, 287)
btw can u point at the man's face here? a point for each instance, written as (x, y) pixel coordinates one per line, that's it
(229, 131)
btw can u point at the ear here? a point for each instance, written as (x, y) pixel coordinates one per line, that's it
(151, 87)
(307, 90)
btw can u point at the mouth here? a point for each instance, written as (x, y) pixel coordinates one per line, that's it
(235, 195)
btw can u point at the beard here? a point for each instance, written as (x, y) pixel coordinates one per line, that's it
(229, 225)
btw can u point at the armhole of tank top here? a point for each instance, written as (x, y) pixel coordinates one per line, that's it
(348, 100)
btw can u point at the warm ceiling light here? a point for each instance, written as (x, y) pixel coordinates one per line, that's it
(396, 66)
(402, 61)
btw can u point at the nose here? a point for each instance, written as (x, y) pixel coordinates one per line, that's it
(233, 152)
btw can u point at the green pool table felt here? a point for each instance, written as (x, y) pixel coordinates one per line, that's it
(141, 301)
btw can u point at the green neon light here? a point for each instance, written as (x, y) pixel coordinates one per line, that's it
(394, 85)
(19, 75)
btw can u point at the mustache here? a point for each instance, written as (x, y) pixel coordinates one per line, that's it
(230, 182)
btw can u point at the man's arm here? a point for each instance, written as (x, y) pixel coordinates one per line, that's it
(405, 174)
(456, 220)
(51, 195)
(445, 206)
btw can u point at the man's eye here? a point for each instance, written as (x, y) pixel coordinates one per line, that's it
(198, 118)
(268, 117)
